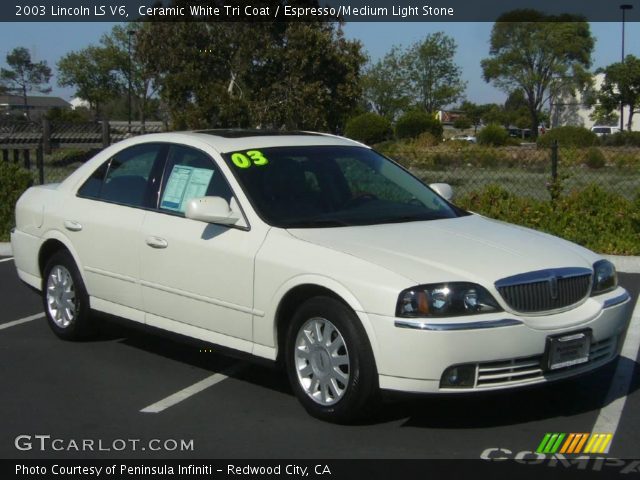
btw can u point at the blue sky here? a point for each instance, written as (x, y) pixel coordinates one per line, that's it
(49, 41)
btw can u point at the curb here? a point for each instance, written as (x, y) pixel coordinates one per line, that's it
(623, 264)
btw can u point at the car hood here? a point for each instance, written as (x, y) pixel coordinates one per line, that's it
(471, 248)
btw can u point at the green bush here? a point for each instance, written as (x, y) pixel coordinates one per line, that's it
(568, 137)
(593, 217)
(425, 140)
(368, 128)
(493, 135)
(13, 181)
(621, 139)
(595, 158)
(627, 161)
(412, 124)
(462, 123)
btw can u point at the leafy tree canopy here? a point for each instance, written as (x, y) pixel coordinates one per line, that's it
(24, 75)
(277, 75)
(621, 86)
(538, 54)
(433, 76)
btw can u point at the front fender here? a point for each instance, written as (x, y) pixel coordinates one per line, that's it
(266, 329)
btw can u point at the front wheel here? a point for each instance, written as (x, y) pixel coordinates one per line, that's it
(65, 298)
(329, 361)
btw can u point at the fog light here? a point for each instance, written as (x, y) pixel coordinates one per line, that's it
(460, 376)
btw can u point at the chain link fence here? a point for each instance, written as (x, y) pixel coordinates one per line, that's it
(525, 171)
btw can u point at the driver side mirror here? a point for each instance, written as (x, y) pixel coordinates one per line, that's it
(443, 189)
(211, 210)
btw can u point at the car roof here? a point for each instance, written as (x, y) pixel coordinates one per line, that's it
(231, 140)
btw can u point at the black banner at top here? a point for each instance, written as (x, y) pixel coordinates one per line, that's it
(305, 10)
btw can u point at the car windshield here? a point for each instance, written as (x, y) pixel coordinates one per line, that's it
(601, 130)
(330, 186)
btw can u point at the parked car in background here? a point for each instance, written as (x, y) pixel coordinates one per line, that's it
(516, 132)
(601, 130)
(320, 254)
(465, 138)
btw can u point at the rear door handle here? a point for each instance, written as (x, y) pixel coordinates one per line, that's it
(157, 242)
(73, 226)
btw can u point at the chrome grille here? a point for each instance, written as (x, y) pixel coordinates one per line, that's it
(516, 370)
(545, 290)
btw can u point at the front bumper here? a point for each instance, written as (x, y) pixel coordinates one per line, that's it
(505, 349)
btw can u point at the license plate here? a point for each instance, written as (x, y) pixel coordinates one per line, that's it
(567, 350)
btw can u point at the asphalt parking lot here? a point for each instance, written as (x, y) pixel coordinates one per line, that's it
(127, 385)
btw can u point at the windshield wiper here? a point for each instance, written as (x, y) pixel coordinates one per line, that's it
(407, 218)
(320, 222)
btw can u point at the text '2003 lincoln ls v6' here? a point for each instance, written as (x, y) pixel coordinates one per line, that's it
(319, 253)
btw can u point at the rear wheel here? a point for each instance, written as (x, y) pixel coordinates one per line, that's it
(65, 298)
(329, 361)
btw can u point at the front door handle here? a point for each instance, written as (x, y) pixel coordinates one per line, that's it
(157, 242)
(72, 226)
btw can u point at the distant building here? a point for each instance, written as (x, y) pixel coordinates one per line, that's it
(570, 110)
(37, 105)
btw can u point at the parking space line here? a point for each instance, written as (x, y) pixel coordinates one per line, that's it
(185, 393)
(21, 321)
(5, 259)
(609, 416)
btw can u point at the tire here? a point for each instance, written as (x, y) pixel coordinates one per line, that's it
(335, 379)
(65, 298)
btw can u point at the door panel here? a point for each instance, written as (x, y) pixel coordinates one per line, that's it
(194, 272)
(110, 257)
(104, 222)
(204, 275)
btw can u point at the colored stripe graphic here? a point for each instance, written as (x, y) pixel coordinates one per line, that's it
(550, 443)
(598, 443)
(543, 443)
(567, 444)
(595, 443)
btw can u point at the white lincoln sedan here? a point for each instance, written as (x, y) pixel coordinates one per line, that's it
(319, 253)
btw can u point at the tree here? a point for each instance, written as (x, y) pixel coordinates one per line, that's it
(537, 54)
(602, 116)
(92, 72)
(495, 114)
(474, 113)
(290, 75)
(621, 86)
(317, 81)
(462, 123)
(138, 65)
(516, 110)
(385, 87)
(25, 75)
(434, 78)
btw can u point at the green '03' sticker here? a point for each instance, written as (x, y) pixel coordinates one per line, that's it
(248, 158)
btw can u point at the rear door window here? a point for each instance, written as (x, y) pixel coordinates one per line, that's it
(129, 178)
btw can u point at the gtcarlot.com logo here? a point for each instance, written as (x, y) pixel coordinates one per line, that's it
(575, 443)
(44, 443)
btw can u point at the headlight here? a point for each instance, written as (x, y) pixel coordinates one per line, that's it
(605, 277)
(445, 300)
